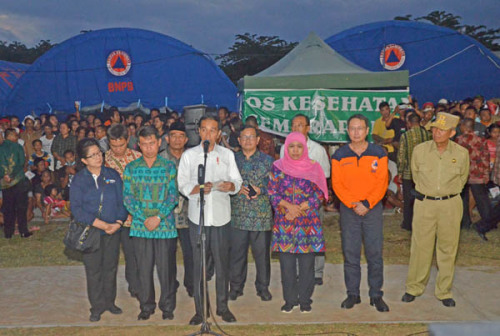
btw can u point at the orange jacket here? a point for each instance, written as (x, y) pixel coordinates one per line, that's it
(360, 179)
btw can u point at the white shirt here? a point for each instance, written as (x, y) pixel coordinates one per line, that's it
(316, 153)
(221, 166)
(47, 143)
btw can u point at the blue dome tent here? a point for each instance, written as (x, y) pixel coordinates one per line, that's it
(443, 63)
(9, 74)
(121, 66)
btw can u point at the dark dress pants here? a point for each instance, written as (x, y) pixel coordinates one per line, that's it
(101, 267)
(217, 244)
(14, 207)
(260, 242)
(297, 291)
(160, 252)
(356, 230)
(480, 193)
(408, 200)
(187, 255)
(131, 271)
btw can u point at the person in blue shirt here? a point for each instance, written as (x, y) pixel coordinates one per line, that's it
(85, 197)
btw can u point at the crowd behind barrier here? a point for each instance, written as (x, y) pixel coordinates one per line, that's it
(39, 161)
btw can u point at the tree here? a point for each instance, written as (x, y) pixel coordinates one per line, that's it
(18, 52)
(251, 54)
(484, 35)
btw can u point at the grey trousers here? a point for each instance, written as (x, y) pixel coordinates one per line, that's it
(356, 230)
(159, 252)
(100, 268)
(131, 271)
(319, 258)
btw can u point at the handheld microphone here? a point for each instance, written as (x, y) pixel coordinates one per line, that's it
(201, 174)
(206, 144)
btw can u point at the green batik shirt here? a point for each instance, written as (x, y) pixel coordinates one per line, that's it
(151, 192)
(253, 214)
(11, 163)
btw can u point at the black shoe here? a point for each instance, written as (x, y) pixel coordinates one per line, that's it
(8, 236)
(265, 295)
(479, 232)
(408, 298)
(114, 309)
(305, 308)
(144, 315)
(318, 281)
(350, 301)
(404, 227)
(287, 308)
(195, 320)
(94, 317)
(379, 304)
(227, 316)
(233, 295)
(168, 315)
(26, 235)
(448, 302)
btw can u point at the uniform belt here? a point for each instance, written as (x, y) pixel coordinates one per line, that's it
(421, 197)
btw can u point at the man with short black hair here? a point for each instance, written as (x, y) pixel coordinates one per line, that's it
(150, 196)
(380, 134)
(222, 179)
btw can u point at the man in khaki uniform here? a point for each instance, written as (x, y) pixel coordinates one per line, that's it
(440, 169)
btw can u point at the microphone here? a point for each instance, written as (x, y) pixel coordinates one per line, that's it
(201, 174)
(206, 144)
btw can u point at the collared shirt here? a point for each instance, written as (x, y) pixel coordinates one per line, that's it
(85, 196)
(361, 178)
(28, 138)
(479, 166)
(60, 144)
(380, 130)
(407, 143)
(181, 210)
(253, 214)
(221, 166)
(11, 163)
(437, 174)
(495, 175)
(119, 164)
(316, 153)
(151, 192)
(266, 144)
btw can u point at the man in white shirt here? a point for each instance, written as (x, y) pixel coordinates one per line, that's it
(302, 124)
(222, 179)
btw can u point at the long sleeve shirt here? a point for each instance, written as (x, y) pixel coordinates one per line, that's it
(407, 143)
(221, 166)
(85, 196)
(151, 191)
(12, 160)
(437, 174)
(361, 178)
(316, 153)
(479, 155)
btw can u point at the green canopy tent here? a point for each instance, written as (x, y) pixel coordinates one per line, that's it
(315, 80)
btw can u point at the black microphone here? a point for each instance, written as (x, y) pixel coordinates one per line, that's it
(201, 174)
(206, 143)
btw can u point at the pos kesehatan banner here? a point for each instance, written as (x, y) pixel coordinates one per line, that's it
(327, 109)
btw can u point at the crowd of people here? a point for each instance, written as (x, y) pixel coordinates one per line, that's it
(132, 177)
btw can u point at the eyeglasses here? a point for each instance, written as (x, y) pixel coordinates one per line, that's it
(248, 137)
(94, 156)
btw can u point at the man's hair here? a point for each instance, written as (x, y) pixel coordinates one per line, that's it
(490, 129)
(117, 131)
(13, 117)
(147, 131)
(383, 104)
(69, 151)
(64, 123)
(37, 161)
(223, 108)
(101, 127)
(247, 126)
(360, 117)
(481, 98)
(308, 121)
(10, 131)
(210, 117)
(35, 141)
(470, 107)
(414, 118)
(252, 120)
(468, 124)
(484, 109)
(112, 109)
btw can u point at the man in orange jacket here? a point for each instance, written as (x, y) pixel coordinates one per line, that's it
(360, 180)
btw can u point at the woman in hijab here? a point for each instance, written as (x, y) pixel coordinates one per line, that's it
(297, 187)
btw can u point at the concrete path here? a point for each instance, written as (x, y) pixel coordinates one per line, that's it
(56, 296)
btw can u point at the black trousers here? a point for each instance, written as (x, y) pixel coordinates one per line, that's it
(159, 252)
(14, 207)
(260, 242)
(101, 267)
(131, 271)
(297, 291)
(217, 244)
(480, 193)
(187, 255)
(408, 200)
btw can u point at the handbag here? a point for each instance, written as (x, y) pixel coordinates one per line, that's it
(81, 237)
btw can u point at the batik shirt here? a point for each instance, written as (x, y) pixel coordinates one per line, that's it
(151, 192)
(304, 234)
(253, 214)
(479, 156)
